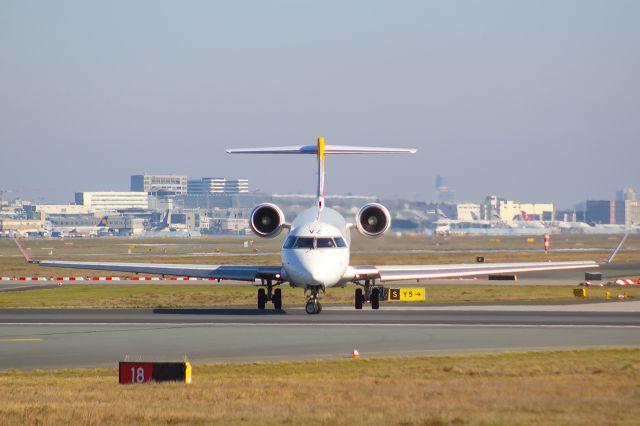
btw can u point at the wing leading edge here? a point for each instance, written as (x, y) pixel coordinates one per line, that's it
(429, 272)
(426, 272)
(222, 272)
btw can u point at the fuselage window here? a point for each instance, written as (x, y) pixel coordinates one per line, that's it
(313, 243)
(325, 243)
(303, 243)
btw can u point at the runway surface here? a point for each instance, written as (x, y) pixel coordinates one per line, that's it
(39, 338)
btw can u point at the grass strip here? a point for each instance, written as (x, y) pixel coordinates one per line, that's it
(600, 386)
(165, 296)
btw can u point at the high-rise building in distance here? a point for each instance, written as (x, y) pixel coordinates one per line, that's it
(171, 184)
(209, 185)
(626, 194)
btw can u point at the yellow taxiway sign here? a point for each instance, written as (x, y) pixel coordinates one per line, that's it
(409, 294)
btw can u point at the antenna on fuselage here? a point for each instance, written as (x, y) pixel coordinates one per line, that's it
(321, 150)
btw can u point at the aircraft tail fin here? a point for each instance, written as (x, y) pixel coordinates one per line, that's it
(321, 150)
(103, 222)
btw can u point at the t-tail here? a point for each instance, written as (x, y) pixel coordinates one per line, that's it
(321, 150)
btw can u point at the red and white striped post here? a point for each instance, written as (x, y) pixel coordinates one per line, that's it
(546, 243)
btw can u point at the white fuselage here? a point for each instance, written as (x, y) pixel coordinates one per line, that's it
(316, 251)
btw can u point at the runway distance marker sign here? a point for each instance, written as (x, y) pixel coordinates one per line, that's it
(135, 372)
(143, 372)
(407, 294)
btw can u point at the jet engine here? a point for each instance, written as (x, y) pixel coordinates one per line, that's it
(266, 220)
(373, 220)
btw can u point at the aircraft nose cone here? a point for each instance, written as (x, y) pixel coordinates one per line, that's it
(318, 277)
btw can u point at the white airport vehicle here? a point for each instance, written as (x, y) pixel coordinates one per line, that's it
(315, 254)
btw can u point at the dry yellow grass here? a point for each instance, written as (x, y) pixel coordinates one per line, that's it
(572, 387)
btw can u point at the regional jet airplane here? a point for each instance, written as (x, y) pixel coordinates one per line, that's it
(315, 254)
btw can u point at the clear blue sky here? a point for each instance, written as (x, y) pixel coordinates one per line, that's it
(532, 100)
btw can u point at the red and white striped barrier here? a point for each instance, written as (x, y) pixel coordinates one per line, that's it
(626, 282)
(187, 278)
(96, 278)
(28, 278)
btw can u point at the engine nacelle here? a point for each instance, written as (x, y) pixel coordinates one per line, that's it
(373, 220)
(266, 220)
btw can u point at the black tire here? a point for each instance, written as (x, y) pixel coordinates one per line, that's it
(310, 308)
(359, 298)
(277, 299)
(262, 298)
(375, 298)
(318, 308)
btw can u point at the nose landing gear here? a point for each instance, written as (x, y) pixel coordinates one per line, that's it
(313, 305)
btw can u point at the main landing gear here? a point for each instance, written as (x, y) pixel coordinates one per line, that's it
(368, 294)
(313, 305)
(269, 295)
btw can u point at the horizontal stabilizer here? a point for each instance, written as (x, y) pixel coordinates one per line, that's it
(328, 149)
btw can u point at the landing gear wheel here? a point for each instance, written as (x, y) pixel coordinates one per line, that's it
(262, 298)
(375, 298)
(311, 308)
(277, 299)
(318, 308)
(359, 298)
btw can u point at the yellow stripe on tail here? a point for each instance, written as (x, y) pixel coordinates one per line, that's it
(321, 147)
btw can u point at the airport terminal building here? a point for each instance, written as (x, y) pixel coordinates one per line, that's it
(507, 210)
(112, 200)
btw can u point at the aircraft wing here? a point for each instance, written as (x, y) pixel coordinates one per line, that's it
(430, 272)
(222, 272)
(426, 272)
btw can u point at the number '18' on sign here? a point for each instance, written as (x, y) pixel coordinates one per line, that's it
(136, 372)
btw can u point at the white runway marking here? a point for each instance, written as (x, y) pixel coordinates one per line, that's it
(614, 306)
(304, 324)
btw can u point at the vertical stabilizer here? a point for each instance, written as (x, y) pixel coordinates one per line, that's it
(321, 157)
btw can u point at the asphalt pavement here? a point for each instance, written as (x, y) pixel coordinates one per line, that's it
(57, 338)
